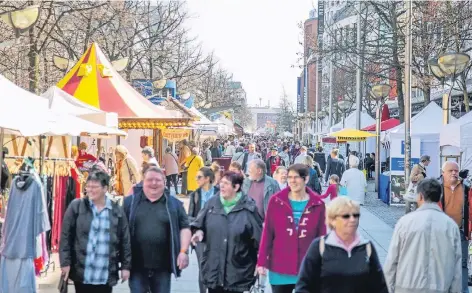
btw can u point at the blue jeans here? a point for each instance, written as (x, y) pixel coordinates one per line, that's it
(465, 271)
(153, 281)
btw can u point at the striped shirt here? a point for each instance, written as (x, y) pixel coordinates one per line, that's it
(98, 246)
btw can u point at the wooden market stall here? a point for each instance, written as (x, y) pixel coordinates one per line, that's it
(94, 81)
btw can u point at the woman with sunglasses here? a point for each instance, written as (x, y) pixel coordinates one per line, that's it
(294, 218)
(342, 261)
(198, 198)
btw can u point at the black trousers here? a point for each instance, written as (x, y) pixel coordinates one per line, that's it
(86, 288)
(199, 251)
(172, 178)
(283, 288)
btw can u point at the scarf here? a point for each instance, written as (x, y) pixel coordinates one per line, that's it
(228, 205)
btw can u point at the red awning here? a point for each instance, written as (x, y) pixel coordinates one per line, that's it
(385, 125)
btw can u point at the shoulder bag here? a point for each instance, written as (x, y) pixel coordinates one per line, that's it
(185, 168)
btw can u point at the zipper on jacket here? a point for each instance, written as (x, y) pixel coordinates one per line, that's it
(171, 236)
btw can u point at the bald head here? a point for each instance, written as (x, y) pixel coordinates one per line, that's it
(450, 172)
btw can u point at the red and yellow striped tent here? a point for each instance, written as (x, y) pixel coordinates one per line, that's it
(93, 80)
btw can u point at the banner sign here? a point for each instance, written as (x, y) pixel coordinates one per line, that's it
(397, 167)
(175, 135)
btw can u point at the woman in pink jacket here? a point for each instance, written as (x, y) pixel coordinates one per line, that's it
(295, 217)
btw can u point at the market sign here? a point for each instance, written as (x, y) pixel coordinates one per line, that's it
(175, 135)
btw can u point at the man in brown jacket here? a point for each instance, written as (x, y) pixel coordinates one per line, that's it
(418, 173)
(184, 153)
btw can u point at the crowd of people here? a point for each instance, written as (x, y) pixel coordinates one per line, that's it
(266, 215)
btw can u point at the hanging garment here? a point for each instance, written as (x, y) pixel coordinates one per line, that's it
(59, 210)
(26, 218)
(70, 191)
(49, 202)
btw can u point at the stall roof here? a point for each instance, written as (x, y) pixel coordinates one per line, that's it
(63, 102)
(427, 121)
(385, 125)
(94, 81)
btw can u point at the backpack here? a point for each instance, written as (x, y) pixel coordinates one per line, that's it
(314, 182)
(368, 248)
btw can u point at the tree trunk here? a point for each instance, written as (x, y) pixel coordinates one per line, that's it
(33, 64)
(464, 92)
(398, 70)
(427, 94)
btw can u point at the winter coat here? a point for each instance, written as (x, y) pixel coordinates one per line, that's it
(334, 166)
(320, 158)
(425, 253)
(354, 180)
(418, 173)
(194, 164)
(170, 164)
(232, 241)
(339, 271)
(271, 187)
(283, 247)
(74, 240)
(314, 182)
(216, 152)
(177, 216)
(129, 173)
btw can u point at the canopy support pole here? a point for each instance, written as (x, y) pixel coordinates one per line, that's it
(155, 143)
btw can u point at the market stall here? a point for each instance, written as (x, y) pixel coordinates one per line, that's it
(456, 141)
(425, 138)
(94, 81)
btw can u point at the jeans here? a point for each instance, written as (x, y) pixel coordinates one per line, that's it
(153, 281)
(283, 288)
(86, 288)
(199, 250)
(465, 271)
(172, 178)
(183, 190)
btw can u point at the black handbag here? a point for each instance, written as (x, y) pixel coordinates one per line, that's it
(62, 287)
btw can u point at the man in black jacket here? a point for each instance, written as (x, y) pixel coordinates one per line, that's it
(91, 256)
(334, 166)
(158, 225)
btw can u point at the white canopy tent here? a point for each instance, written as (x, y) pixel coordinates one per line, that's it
(456, 140)
(62, 102)
(426, 125)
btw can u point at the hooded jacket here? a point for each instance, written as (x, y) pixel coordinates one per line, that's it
(232, 240)
(283, 246)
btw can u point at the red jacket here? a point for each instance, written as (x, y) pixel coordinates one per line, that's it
(282, 247)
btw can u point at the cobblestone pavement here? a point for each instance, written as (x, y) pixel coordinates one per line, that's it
(388, 214)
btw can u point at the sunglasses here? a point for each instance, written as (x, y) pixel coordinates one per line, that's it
(199, 177)
(347, 216)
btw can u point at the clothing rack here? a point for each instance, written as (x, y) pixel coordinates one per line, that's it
(45, 159)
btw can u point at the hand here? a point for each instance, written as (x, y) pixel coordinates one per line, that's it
(124, 275)
(182, 260)
(197, 237)
(261, 271)
(65, 272)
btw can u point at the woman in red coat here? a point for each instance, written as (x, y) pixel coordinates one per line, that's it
(295, 217)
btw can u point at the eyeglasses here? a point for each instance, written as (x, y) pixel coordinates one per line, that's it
(199, 177)
(347, 216)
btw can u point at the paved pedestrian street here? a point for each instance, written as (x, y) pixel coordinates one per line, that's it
(371, 227)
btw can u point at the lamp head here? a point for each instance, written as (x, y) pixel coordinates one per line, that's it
(436, 71)
(453, 63)
(380, 91)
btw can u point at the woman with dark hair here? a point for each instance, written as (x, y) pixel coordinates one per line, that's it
(294, 218)
(198, 198)
(230, 226)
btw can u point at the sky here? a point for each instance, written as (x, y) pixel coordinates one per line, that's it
(256, 40)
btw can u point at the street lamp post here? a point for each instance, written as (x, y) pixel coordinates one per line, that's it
(20, 20)
(321, 116)
(448, 65)
(379, 93)
(344, 105)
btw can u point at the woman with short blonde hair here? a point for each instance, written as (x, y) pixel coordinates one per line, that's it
(353, 262)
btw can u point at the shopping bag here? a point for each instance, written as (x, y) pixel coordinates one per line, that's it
(343, 191)
(410, 194)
